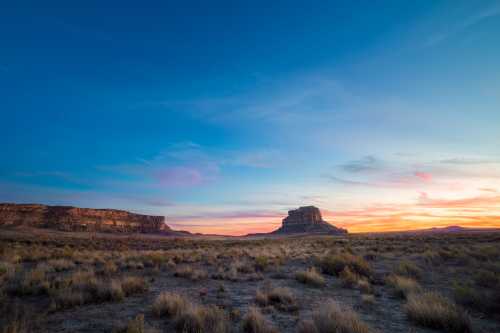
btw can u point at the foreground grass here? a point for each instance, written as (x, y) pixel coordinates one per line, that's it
(334, 318)
(432, 310)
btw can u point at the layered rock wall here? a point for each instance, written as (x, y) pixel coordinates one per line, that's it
(79, 219)
(307, 220)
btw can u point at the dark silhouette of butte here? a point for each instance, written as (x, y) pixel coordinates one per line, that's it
(307, 220)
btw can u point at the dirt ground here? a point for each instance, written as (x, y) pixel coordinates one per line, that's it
(80, 282)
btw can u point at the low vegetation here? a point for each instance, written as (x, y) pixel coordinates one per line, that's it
(433, 310)
(310, 277)
(134, 283)
(334, 318)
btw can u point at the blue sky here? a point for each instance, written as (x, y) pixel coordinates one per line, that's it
(224, 115)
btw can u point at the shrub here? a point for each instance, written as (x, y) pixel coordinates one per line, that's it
(169, 304)
(111, 291)
(133, 285)
(190, 317)
(432, 257)
(191, 273)
(60, 265)
(198, 318)
(280, 297)
(368, 300)
(109, 268)
(334, 318)
(364, 286)
(403, 286)
(348, 277)
(435, 311)
(310, 277)
(261, 263)
(84, 281)
(69, 298)
(409, 269)
(254, 322)
(334, 264)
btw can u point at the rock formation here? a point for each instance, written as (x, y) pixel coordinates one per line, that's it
(80, 219)
(307, 220)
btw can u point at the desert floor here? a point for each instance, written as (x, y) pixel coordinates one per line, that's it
(83, 282)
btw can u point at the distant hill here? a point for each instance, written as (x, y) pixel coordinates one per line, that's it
(447, 230)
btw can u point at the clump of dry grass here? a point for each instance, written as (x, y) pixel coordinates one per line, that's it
(403, 286)
(109, 268)
(111, 291)
(310, 277)
(188, 317)
(68, 298)
(334, 264)
(281, 298)
(433, 310)
(368, 300)
(198, 318)
(191, 273)
(254, 322)
(334, 318)
(133, 285)
(432, 257)
(60, 265)
(261, 263)
(348, 277)
(169, 305)
(408, 268)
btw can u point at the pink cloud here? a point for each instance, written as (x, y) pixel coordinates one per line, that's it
(424, 176)
(179, 177)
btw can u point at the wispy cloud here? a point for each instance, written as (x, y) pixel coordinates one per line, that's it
(424, 176)
(463, 24)
(469, 161)
(366, 163)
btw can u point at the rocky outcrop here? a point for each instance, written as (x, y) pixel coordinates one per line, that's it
(80, 219)
(307, 220)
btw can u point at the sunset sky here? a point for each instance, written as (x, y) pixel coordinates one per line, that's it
(222, 116)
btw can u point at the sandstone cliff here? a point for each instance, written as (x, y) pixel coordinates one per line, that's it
(80, 219)
(307, 220)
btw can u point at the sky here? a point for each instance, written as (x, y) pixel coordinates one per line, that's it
(223, 115)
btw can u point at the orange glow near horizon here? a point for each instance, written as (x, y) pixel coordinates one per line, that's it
(473, 212)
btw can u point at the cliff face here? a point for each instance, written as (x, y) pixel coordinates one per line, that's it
(307, 220)
(79, 219)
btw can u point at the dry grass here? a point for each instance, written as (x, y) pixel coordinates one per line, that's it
(169, 305)
(409, 269)
(349, 278)
(335, 264)
(334, 318)
(403, 286)
(199, 318)
(435, 311)
(188, 272)
(281, 298)
(134, 285)
(310, 277)
(188, 317)
(254, 322)
(60, 265)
